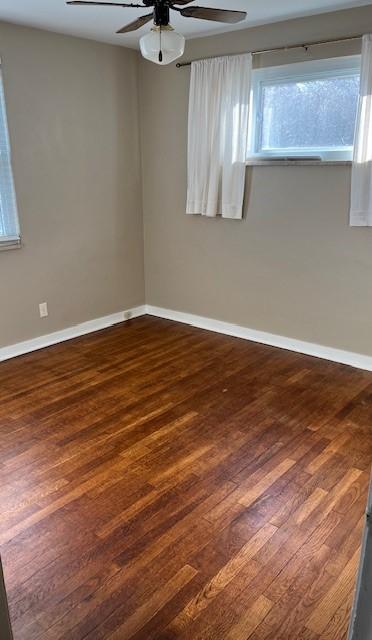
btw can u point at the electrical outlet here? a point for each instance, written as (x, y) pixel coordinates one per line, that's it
(43, 309)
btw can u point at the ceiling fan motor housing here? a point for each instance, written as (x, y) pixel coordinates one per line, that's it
(161, 14)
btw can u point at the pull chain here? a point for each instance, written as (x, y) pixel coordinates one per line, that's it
(160, 52)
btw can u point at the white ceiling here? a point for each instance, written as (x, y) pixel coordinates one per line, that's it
(101, 23)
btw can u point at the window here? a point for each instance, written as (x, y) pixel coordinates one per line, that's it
(9, 228)
(305, 110)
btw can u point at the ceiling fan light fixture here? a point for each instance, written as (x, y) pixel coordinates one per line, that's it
(162, 45)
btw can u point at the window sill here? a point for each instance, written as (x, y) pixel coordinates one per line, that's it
(7, 245)
(256, 162)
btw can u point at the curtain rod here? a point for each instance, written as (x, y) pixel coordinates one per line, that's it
(287, 48)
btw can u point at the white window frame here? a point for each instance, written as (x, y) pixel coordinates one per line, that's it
(8, 203)
(344, 66)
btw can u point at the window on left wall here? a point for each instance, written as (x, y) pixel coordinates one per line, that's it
(9, 225)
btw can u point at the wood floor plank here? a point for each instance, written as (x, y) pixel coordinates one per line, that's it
(339, 624)
(261, 486)
(247, 624)
(147, 611)
(335, 597)
(229, 571)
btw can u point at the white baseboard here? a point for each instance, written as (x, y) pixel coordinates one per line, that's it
(68, 334)
(357, 360)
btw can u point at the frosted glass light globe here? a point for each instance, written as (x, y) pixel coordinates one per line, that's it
(162, 45)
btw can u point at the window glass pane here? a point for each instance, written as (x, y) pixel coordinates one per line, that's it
(8, 207)
(311, 113)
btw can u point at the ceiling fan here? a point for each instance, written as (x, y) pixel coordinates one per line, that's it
(164, 45)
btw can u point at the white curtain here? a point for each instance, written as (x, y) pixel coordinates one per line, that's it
(218, 135)
(361, 184)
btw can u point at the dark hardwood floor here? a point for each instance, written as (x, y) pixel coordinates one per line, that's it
(159, 481)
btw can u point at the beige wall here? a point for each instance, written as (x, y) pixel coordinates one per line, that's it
(73, 119)
(292, 266)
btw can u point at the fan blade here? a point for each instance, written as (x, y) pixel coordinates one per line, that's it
(137, 24)
(91, 3)
(217, 15)
(181, 2)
